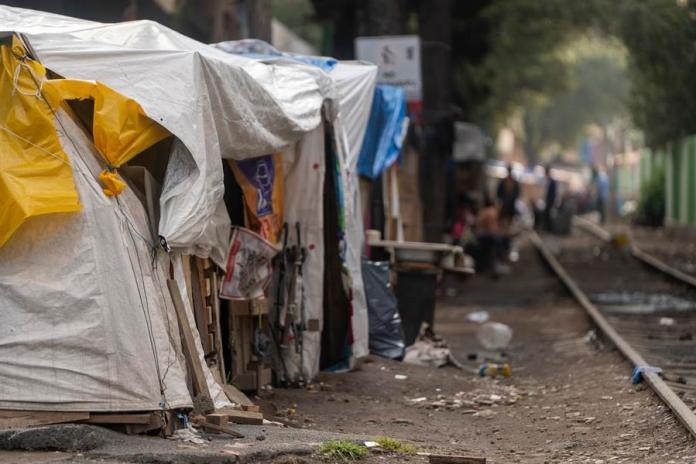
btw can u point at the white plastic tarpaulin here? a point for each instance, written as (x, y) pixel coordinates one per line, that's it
(351, 85)
(87, 321)
(216, 104)
(355, 84)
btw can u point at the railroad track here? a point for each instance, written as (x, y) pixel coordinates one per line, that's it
(646, 308)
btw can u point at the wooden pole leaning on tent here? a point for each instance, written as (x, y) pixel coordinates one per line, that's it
(189, 344)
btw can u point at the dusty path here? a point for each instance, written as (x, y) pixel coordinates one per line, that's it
(568, 401)
(574, 399)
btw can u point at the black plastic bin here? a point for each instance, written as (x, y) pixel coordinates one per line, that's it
(415, 294)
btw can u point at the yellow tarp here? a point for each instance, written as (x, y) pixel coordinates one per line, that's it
(120, 127)
(35, 173)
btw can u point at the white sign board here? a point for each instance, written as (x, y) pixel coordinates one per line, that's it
(398, 58)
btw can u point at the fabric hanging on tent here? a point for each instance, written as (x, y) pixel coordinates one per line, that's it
(248, 270)
(385, 131)
(120, 127)
(35, 173)
(261, 180)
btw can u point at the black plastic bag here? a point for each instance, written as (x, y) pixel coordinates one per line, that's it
(386, 335)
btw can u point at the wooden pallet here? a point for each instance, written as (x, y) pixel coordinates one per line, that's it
(248, 374)
(131, 423)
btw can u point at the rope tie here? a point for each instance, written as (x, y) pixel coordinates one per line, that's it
(15, 79)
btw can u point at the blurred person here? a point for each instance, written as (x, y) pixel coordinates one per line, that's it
(489, 238)
(600, 191)
(550, 198)
(464, 223)
(507, 194)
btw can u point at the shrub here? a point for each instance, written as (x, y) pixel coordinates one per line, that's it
(651, 206)
(343, 450)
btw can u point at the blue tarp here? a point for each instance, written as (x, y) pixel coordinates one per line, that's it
(384, 135)
(259, 50)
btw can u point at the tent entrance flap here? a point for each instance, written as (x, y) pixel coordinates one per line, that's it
(336, 336)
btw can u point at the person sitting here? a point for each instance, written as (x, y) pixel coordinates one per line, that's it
(463, 227)
(489, 239)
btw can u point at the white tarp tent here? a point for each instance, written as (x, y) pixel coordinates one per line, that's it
(351, 84)
(87, 321)
(215, 103)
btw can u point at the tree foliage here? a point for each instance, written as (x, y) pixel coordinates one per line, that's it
(507, 57)
(522, 68)
(661, 38)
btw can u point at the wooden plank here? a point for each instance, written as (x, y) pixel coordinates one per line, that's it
(236, 396)
(239, 366)
(189, 344)
(258, 306)
(239, 307)
(255, 307)
(216, 418)
(218, 428)
(199, 305)
(420, 246)
(218, 328)
(10, 419)
(186, 265)
(444, 459)
(245, 381)
(264, 376)
(243, 417)
(144, 418)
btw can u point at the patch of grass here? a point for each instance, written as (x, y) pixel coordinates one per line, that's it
(344, 450)
(395, 446)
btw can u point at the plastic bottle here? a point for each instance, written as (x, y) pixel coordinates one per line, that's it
(494, 370)
(494, 335)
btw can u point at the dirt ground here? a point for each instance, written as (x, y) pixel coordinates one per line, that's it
(567, 401)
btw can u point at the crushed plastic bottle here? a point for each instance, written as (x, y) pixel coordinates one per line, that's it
(494, 335)
(494, 370)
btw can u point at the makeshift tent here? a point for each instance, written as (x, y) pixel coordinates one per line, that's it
(351, 85)
(215, 103)
(88, 322)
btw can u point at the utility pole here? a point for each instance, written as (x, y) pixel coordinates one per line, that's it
(435, 23)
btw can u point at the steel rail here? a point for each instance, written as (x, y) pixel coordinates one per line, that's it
(636, 252)
(652, 379)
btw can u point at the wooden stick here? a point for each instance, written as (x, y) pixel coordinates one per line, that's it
(11, 419)
(215, 300)
(444, 459)
(189, 343)
(219, 428)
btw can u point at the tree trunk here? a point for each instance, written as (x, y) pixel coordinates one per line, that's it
(435, 22)
(259, 19)
(385, 17)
